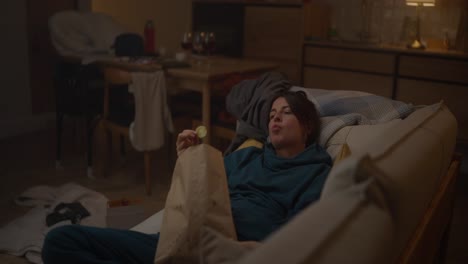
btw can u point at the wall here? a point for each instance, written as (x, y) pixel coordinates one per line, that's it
(171, 18)
(15, 101)
(85, 5)
(387, 19)
(13, 51)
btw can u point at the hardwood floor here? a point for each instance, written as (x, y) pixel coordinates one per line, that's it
(29, 160)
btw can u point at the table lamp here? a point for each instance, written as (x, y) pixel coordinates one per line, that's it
(416, 43)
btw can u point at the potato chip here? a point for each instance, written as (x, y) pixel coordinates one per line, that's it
(201, 131)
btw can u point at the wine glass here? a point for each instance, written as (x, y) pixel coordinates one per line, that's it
(186, 43)
(210, 43)
(198, 42)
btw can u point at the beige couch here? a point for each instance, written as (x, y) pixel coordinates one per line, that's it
(389, 200)
(400, 216)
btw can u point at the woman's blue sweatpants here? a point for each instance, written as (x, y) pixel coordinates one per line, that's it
(84, 244)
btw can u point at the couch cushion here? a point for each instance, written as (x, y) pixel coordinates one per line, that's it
(344, 152)
(356, 137)
(250, 143)
(414, 155)
(406, 162)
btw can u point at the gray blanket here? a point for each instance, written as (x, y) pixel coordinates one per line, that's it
(247, 101)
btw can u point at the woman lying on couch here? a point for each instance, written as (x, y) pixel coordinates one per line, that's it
(267, 188)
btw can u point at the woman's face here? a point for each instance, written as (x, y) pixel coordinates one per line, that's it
(284, 128)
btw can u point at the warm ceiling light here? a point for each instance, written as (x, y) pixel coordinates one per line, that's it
(420, 2)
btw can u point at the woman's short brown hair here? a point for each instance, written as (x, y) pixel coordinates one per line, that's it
(304, 110)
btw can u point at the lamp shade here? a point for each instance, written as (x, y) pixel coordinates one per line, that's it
(420, 2)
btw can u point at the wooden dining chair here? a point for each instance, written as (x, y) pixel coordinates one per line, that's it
(119, 123)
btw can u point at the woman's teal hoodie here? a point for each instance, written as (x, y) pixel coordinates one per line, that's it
(266, 191)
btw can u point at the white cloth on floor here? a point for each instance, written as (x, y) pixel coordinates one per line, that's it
(25, 235)
(41, 195)
(152, 114)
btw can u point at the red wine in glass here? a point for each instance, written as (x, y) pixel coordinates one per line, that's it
(210, 43)
(186, 43)
(211, 46)
(199, 43)
(198, 48)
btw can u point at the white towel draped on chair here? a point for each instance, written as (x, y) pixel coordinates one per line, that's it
(152, 114)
